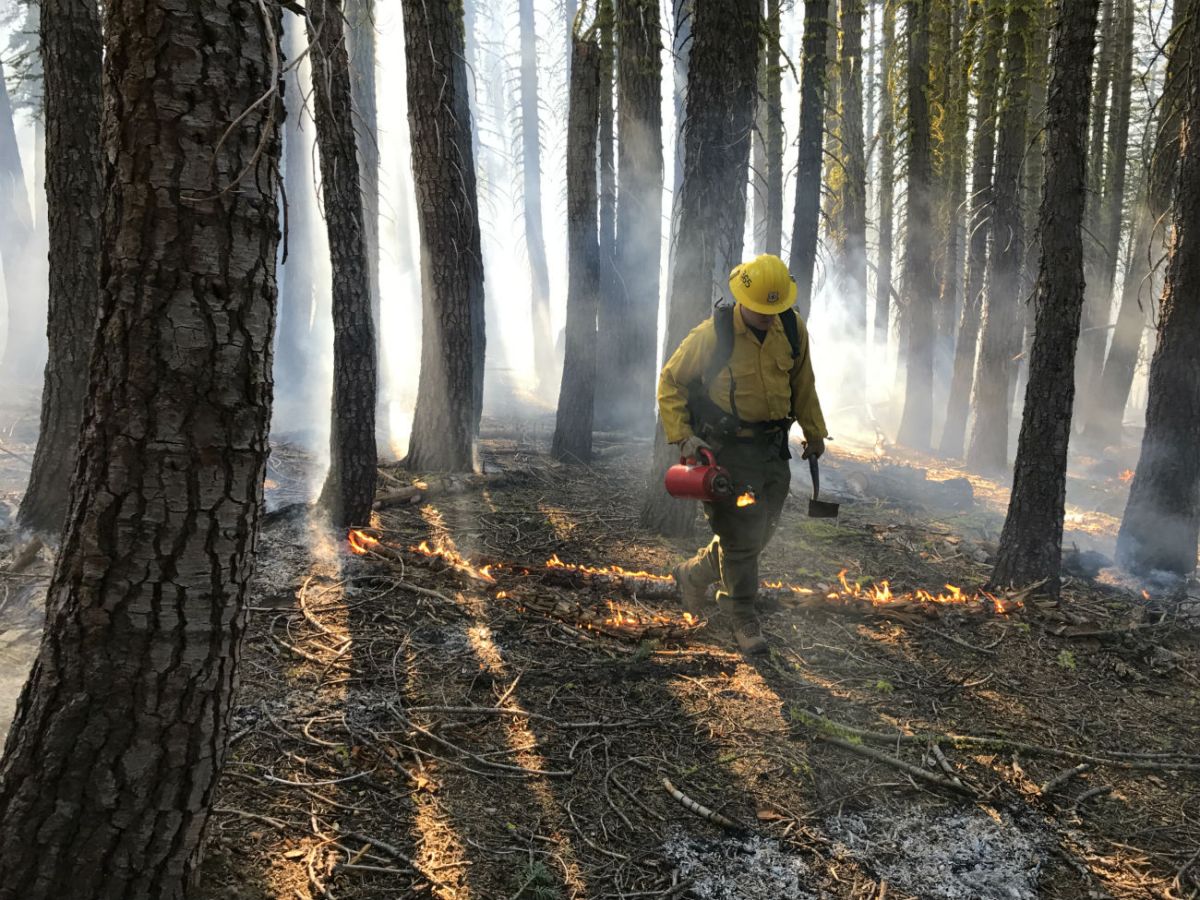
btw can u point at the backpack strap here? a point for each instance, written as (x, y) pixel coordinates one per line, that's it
(791, 327)
(723, 349)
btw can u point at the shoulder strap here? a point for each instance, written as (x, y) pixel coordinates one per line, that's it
(791, 327)
(723, 326)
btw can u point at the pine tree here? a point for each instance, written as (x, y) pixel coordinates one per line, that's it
(852, 262)
(1162, 517)
(887, 174)
(916, 422)
(71, 47)
(120, 733)
(1000, 341)
(573, 427)
(450, 390)
(1031, 540)
(806, 221)
(350, 485)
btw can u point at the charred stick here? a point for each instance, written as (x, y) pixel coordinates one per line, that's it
(1063, 777)
(700, 809)
(897, 763)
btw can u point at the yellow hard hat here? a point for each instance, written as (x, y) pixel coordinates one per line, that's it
(763, 285)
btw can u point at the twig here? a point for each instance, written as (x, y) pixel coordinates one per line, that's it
(699, 809)
(394, 852)
(1063, 777)
(1091, 794)
(945, 764)
(467, 753)
(897, 763)
(954, 640)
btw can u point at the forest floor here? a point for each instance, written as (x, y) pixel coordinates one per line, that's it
(413, 725)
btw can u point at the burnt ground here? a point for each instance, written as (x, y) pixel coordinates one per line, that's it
(405, 731)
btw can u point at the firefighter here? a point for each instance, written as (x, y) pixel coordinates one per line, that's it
(735, 386)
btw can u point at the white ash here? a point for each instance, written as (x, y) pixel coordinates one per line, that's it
(946, 854)
(731, 868)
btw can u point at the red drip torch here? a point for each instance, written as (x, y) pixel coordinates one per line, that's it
(699, 480)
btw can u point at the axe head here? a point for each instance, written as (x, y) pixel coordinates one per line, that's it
(822, 509)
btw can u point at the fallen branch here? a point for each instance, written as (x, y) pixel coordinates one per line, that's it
(896, 763)
(700, 809)
(1062, 778)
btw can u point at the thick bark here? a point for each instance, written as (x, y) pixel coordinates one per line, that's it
(887, 174)
(1162, 518)
(916, 422)
(531, 196)
(350, 485)
(954, 175)
(712, 203)
(360, 41)
(813, 87)
(1000, 341)
(16, 236)
(768, 141)
(450, 391)
(1148, 241)
(609, 315)
(573, 427)
(1031, 540)
(296, 382)
(120, 732)
(852, 255)
(71, 47)
(639, 209)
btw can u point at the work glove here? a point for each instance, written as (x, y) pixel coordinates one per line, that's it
(690, 447)
(813, 448)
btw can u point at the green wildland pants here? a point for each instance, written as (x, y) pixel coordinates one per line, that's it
(741, 533)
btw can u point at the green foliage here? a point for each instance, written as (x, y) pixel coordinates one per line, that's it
(534, 882)
(1066, 660)
(883, 686)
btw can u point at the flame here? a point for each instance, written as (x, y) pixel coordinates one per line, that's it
(361, 543)
(622, 617)
(747, 499)
(456, 561)
(1145, 595)
(1126, 476)
(555, 563)
(881, 594)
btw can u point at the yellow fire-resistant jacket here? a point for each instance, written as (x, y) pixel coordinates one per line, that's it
(768, 383)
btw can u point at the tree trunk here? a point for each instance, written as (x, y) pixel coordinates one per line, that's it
(609, 315)
(887, 175)
(806, 221)
(71, 47)
(916, 422)
(1095, 311)
(1031, 541)
(16, 234)
(450, 391)
(954, 174)
(768, 141)
(1148, 242)
(639, 208)
(573, 428)
(350, 485)
(852, 262)
(1162, 518)
(120, 732)
(1001, 338)
(712, 204)
(360, 39)
(531, 195)
(295, 377)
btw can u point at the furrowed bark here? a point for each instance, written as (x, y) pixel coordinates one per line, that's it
(916, 422)
(1162, 518)
(813, 88)
(120, 732)
(639, 208)
(450, 391)
(350, 485)
(1031, 540)
(712, 203)
(887, 173)
(1000, 341)
(71, 46)
(573, 427)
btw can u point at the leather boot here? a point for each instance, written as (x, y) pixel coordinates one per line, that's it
(748, 634)
(693, 588)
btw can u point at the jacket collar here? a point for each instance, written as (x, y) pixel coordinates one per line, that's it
(740, 327)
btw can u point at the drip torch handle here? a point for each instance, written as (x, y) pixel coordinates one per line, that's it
(816, 476)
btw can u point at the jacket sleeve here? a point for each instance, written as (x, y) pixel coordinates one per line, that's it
(685, 366)
(806, 407)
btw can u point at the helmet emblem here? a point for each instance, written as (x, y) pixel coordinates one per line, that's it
(773, 297)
